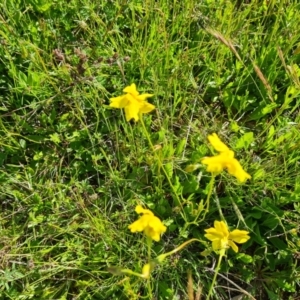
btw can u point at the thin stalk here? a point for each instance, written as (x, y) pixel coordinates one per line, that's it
(149, 246)
(160, 163)
(222, 252)
(207, 204)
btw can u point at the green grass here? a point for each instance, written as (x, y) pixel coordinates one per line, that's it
(72, 169)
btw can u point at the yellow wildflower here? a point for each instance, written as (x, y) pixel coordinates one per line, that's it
(224, 160)
(222, 239)
(133, 103)
(146, 271)
(217, 143)
(150, 224)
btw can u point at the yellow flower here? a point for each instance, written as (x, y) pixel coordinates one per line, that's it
(224, 160)
(133, 103)
(217, 143)
(146, 271)
(222, 239)
(150, 224)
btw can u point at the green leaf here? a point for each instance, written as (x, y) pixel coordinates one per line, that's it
(291, 93)
(36, 138)
(234, 126)
(247, 259)
(268, 108)
(180, 147)
(38, 156)
(177, 186)
(271, 132)
(192, 168)
(191, 185)
(260, 173)
(169, 169)
(55, 138)
(278, 243)
(271, 295)
(261, 111)
(257, 237)
(245, 141)
(42, 5)
(270, 222)
(22, 143)
(256, 213)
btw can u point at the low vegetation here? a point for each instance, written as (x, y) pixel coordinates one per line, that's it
(189, 189)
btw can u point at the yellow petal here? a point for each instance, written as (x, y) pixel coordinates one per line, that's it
(155, 228)
(214, 164)
(239, 236)
(146, 107)
(131, 89)
(155, 236)
(146, 271)
(233, 246)
(157, 224)
(234, 168)
(217, 143)
(212, 237)
(143, 97)
(151, 233)
(140, 210)
(228, 155)
(216, 245)
(221, 227)
(137, 226)
(217, 163)
(142, 224)
(150, 224)
(118, 102)
(132, 111)
(212, 234)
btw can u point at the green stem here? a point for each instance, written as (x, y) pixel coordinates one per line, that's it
(161, 164)
(149, 288)
(149, 246)
(207, 204)
(222, 252)
(161, 257)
